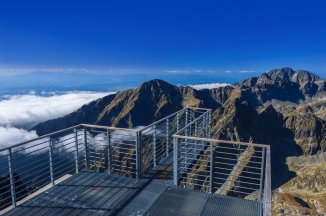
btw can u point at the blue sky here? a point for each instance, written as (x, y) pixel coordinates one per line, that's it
(157, 36)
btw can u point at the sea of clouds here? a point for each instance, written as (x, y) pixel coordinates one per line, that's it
(18, 113)
(209, 86)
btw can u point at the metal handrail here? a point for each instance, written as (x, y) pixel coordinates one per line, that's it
(65, 130)
(199, 163)
(173, 114)
(219, 141)
(96, 126)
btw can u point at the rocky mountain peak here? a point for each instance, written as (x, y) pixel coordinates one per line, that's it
(156, 84)
(282, 73)
(303, 76)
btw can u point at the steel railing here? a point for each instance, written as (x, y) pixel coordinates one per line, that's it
(156, 139)
(29, 166)
(216, 166)
(222, 167)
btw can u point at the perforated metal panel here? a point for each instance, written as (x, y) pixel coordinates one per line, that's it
(91, 193)
(86, 193)
(176, 201)
(226, 206)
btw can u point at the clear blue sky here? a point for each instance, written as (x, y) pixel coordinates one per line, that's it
(155, 36)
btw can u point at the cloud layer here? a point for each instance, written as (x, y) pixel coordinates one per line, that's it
(25, 110)
(20, 112)
(209, 86)
(10, 136)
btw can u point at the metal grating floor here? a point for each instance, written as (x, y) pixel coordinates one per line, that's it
(92, 193)
(182, 202)
(85, 193)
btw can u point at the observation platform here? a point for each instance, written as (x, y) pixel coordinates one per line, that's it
(170, 167)
(93, 193)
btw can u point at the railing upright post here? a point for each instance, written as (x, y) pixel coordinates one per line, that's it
(262, 175)
(138, 155)
(50, 160)
(267, 211)
(167, 148)
(186, 122)
(209, 124)
(211, 168)
(175, 161)
(178, 121)
(109, 151)
(12, 178)
(205, 125)
(86, 149)
(76, 150)
(154, 146)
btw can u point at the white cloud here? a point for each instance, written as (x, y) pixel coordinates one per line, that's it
(24, 111)
(228, 71)
(19, 112)
(209, 86)
(10, 136)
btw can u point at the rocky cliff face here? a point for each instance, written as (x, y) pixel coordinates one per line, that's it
(282, 108)
(306, 193)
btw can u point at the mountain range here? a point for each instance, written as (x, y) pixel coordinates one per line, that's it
(282, 108)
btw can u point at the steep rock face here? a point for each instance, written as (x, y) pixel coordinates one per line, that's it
(309, 131)
(304, 194)
(220, 95)
(238, 120)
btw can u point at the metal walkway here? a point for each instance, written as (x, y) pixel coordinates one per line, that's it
(93, 193)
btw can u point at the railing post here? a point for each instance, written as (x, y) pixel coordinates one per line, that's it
(262, 174)
(76, 149)
(138, 155)
(167, 137)
(109, 151)
(209, 124)
(186, 130)
(206, 125)
(12, 178)
(175, 161)
(154, 146)
(267, 211)
(86, 149)
(178, 119)
(50, 160)
(211, 168)
(186, 122)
